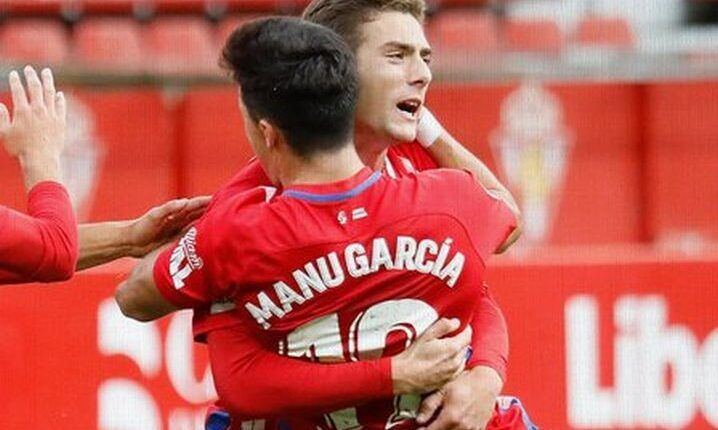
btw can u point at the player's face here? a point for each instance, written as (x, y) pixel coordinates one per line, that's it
(393, 75)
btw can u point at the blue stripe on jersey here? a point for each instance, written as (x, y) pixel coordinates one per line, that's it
(328, 198)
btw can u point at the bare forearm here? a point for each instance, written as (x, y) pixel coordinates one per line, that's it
(103, 242)
(487, 380)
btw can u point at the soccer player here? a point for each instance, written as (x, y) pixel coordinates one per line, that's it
(393, 56)
(43, 245)
(297, 119)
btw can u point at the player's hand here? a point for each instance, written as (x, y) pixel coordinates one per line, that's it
(466, 403)
(36, 132)
(163, 223)
(432, 360)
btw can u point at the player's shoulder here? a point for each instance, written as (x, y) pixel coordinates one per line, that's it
(242, 213)
(250, 176)
(412, 156)
(444, 177)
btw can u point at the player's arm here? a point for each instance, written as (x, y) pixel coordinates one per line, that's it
(103, 242)
(248, 377)
(467, 403)
(178, 276)
(139, 297)
(472, 396)
(40, 246)
(449, 153)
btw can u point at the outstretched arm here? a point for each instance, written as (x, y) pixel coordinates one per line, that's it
(103, 242)
(40, 246)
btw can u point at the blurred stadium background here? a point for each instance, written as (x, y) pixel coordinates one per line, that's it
(602, 116)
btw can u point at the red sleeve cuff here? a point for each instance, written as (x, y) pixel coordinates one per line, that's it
(46, 186)
(385, 383)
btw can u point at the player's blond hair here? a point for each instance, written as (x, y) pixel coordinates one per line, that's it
(346, 17)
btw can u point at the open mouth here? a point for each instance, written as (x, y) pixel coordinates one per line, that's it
(409, 108)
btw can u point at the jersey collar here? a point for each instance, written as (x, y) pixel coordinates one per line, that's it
(335, 191)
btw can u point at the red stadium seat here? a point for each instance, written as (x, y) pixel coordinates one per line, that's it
(36, 7)
(34, 41)
(111, 6)
(538, 36)
(472, 31)
(109, 43)
(272, 6)
(605, 31)
(183, 45)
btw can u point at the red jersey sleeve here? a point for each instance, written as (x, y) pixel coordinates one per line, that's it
(183, 272)
(253, 382)
(251, 176)
(411, 156)
(41, 246)
(490, 338)
(200, 267)
(487, 218)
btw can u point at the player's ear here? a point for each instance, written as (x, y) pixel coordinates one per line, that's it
(270, 132)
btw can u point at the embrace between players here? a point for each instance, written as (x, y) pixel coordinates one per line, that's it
(338, 277)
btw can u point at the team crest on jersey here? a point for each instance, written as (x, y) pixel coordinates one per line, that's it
(184, 259)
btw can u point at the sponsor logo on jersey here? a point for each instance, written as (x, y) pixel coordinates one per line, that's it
(184, 259)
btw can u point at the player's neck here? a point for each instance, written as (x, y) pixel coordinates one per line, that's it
(371, 147)
(321, 168)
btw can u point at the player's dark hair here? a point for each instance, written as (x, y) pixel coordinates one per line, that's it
(299, 76)
(346, 17)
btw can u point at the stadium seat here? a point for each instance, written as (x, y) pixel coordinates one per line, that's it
(109, 43)
(36, 7)
(111, 6)
(36, 41)
(534, 36)
(272, 6)
(181, 45)
(604, 31)
(457, 30)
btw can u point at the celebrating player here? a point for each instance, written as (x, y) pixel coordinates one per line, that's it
(43, 245)
(392, 54)
(299, 128)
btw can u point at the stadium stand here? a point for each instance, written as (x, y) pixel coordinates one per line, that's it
(181, 45)
(34, 40)
(109, 43)
(534, 36)
(457, 30)
(613, 32)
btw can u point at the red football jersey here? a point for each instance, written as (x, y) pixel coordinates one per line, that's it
(400, 160)
(348, 271)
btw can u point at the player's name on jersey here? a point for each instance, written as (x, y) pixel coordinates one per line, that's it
(424, 256)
